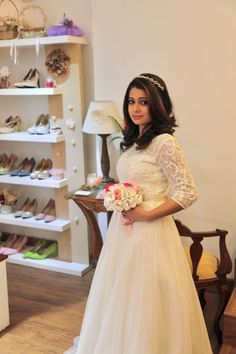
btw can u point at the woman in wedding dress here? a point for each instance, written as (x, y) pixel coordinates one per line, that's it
(143, 299)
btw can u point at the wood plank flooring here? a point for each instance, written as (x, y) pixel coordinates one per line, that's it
(46, 311)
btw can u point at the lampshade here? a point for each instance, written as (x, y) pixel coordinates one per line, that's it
(101, 118)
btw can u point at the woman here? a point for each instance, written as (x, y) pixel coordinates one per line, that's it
(142, 299)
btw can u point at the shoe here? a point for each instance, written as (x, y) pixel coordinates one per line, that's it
(31, 80)
(17, 246)
(11, 125)
(8, 243)
(23, 208)
(40, 167)
(45, 211)
(14, 172)
(7, 166)
(45, 173)
(30, 211)
(3, 158)
(43, 128)
(45, 253)
(27, 169)
(51, 214)
(39, 245)
(33, 129)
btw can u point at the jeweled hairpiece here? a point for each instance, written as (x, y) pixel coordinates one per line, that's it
(152, 80)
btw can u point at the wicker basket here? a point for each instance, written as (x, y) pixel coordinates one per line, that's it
(27, 31)
(9, 24)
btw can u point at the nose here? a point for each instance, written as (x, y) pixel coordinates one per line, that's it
(136, 107)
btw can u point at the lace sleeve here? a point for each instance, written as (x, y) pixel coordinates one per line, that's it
(172, 161)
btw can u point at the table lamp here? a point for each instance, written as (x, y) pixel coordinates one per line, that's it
(102, 119)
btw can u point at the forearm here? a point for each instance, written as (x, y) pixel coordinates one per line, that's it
(168, 208)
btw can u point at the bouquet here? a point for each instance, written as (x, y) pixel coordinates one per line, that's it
(122, 196)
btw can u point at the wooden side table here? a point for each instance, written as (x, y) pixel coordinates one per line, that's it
(4, 306)
(89, 206)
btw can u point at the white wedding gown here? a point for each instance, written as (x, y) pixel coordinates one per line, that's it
(143, 299)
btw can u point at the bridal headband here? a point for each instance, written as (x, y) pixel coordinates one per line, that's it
(152, 80)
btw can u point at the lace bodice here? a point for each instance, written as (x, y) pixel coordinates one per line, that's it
(160, 170)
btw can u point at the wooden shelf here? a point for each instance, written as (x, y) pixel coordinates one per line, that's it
(32, 138)
(51, 264)
(58, 225)
(27, 181)
(45, 91)
(31, 42)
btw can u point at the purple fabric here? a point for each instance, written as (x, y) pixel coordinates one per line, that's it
(67, 27)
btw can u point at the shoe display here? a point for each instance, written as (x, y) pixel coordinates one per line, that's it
(51, 250)
(30, 210)
(31, 80)
(17, 246)
(39, 245)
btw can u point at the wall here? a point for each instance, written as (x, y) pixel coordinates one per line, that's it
(191, 44)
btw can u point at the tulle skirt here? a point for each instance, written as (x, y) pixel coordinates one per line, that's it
(142, 299)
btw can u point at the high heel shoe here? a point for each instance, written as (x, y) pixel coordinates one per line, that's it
(45, 173)
(7, 166)
(23, 208)
(31, 80)
(27, 169)
(15, 171)
(40, 167)
(17, 246)
(39, 245)
(8, 243)
(51, 214)
(41, 126)
(41, 215)
(11, 125)
(51, 250)
(30, 211)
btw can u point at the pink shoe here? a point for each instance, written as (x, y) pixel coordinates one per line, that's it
(17, 246)
(8, 243)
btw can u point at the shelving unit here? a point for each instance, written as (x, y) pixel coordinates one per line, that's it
(66, 151)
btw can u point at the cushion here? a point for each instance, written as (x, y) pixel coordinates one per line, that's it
(207, 265)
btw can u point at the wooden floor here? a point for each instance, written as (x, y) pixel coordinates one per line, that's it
(46, 311)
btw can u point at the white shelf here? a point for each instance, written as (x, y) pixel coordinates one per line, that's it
(51, 264)
(32, 138)
(58, 225)
(31, 42)
(45, 91)
(27, 181)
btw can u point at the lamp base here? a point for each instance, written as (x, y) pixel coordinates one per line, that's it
(107, 179)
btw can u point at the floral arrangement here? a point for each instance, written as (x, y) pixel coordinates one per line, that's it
(8, 197)
(57, 62)
(122, 196)
(66, 27)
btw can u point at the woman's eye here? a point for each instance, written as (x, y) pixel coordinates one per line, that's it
(144, 102)
(131, 101)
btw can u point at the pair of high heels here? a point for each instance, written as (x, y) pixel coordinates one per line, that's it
(13, 244)
(42, 170)
(31, 80)
(7, 163)
(41, 126)
(48, 213)
(11, 125)
(43, 249)
(27, 209)
(24, 168)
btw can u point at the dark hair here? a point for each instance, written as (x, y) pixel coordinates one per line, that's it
(160, 109)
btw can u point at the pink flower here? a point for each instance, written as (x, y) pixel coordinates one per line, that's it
(99, 180)
(127, 184)
(107, 187)
(137, 188)
(117, 194)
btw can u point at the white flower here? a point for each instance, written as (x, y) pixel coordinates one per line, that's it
(4, 72)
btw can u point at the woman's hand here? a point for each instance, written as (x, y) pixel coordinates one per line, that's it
(136, 214)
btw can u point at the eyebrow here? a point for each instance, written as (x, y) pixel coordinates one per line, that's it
(140, 98)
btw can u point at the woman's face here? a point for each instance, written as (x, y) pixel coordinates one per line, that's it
(138, 108)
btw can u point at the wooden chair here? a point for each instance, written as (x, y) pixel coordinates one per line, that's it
(216, 276)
